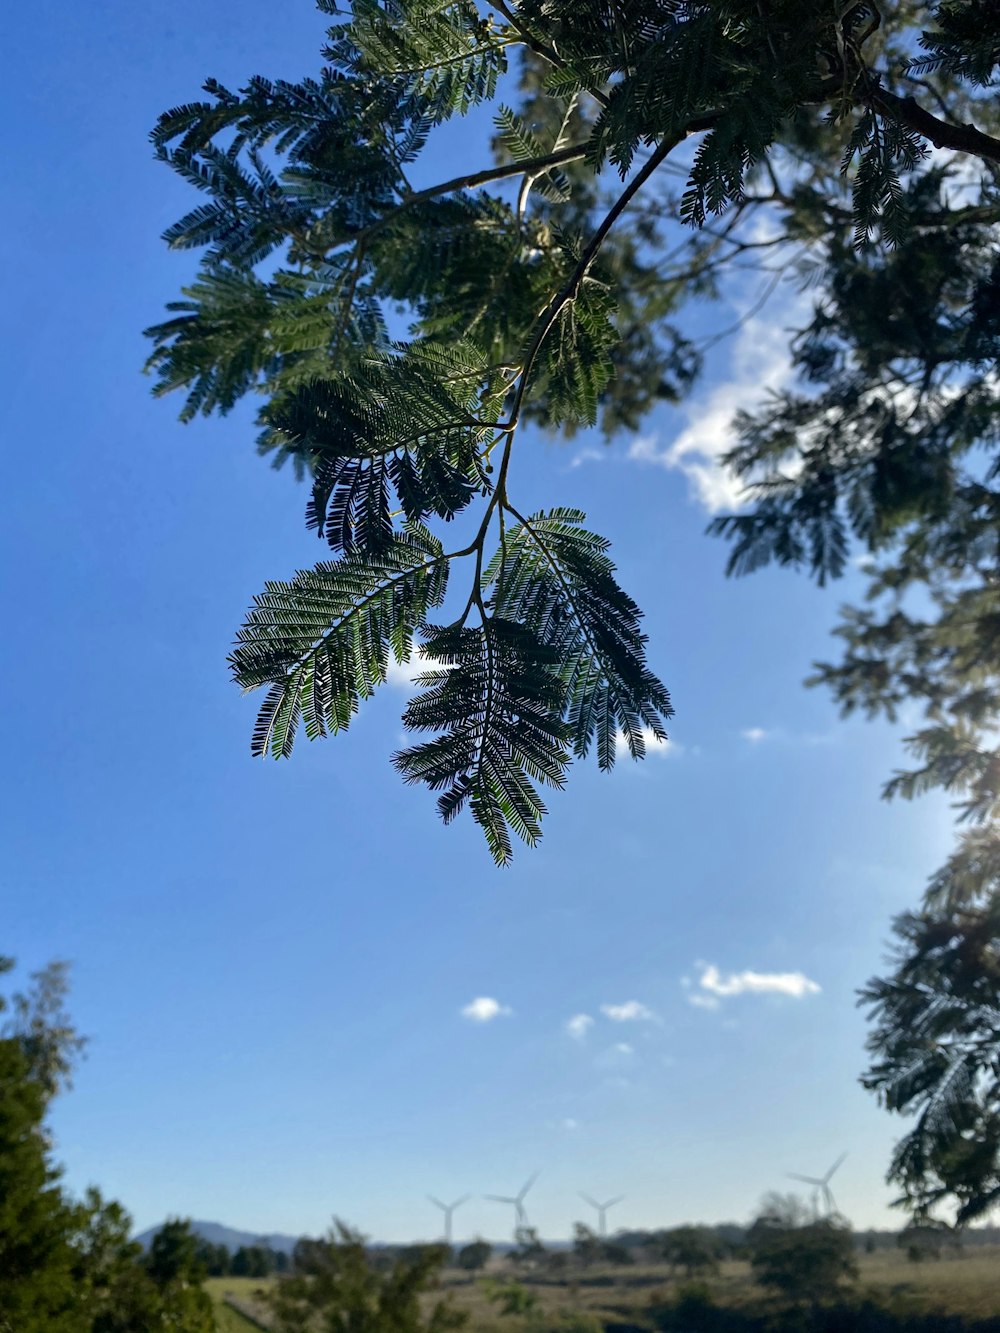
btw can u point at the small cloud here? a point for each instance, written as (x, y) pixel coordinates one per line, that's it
(579, 1025)
(755, 735)
(652, 742)
(703, 1001)
(623, 1048)
(570, 1123)
(588, 454)
(483, 1009)
(796, 985)
(632, 1011)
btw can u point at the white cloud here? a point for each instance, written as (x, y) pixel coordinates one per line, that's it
(715, 986)
(623, 1048)
(703, 1001)
(483, 1009)
(570, 1123)
(632, 1011)
(588, 454)
(404, 674)
(651, 741)
(760, 363)
(755, 735)
(579, 1025)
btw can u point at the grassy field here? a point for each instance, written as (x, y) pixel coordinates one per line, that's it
(966, 1283)
(244, 1289)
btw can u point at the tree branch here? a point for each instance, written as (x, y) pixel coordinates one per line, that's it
(573, 152)
(590, 253)
(960, 138)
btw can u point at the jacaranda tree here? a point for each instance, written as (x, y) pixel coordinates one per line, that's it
(400, 335)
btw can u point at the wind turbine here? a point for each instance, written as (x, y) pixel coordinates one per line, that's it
(448, 1209)
(602, 1211)
(821, 1186)
(517, 1201)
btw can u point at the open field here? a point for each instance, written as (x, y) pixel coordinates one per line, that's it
(966, 1284)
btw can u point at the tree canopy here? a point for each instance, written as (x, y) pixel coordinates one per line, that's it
(337, 1285)
(399, 337)
(68, 1266)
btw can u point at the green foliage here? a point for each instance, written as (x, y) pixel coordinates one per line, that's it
(586, 1245)
(322, 642)
(934, 1043)
(66, 1267)
(695, 1249)
(173, 1254)
(512, 1298)
(36, 1221)
(802, 1263)
(529, 1252)
(474, 1256)
(336, 1286)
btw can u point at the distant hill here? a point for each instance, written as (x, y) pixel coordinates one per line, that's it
(216, 1234)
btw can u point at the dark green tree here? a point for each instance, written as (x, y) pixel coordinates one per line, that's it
(935, 1040)
(529, 1251)
(113, 1292)
(215, 1259)
(173, 1254)
(36, 1221)
(173, 1263)
(695, 1249)
(804, 1263)
(586, 1245)
(252, 1261)
(336, 1286)
(65, 1267)
(475, 1255)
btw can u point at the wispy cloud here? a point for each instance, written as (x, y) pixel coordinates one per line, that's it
(484, 1008)
(631, 1011)
(652, 743)
(757, 735)
(588, 454)
(579, 1025)
(754, 735)
(713, 986)
(616, 1058)
(570, 1123)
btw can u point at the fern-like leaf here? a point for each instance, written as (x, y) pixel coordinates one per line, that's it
(322, 641)
(496, 696)
(554, 576)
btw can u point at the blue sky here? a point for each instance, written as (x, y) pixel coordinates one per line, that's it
(273, 960)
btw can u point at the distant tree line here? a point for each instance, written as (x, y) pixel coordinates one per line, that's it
(219, 1260)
